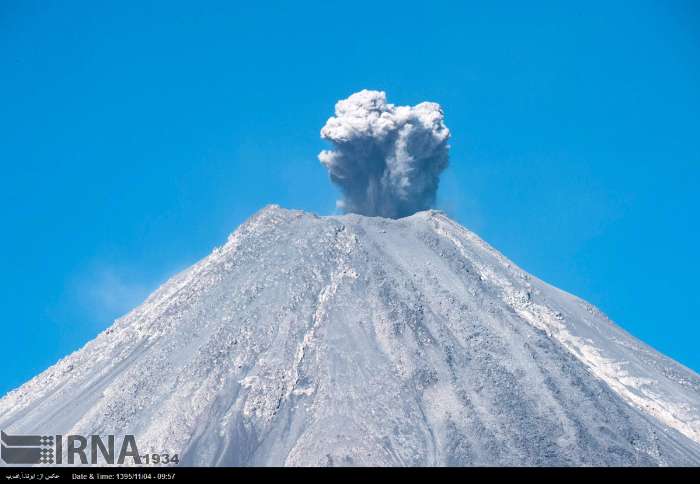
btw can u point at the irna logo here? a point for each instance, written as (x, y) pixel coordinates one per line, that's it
(68, 449)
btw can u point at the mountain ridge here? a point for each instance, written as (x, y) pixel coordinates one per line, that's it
(339, 340)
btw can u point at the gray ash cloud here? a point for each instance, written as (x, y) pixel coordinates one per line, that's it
(386, 159)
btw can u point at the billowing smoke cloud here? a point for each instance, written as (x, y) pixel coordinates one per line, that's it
(387, 159)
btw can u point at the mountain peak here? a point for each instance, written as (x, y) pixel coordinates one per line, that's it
(353, 340)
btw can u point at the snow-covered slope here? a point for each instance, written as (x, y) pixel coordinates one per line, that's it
(350, 340)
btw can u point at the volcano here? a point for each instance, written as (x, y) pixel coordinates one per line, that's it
(366, 341)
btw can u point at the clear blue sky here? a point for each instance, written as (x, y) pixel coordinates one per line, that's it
(134, 136)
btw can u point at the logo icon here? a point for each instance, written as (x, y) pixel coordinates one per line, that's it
(27, 449)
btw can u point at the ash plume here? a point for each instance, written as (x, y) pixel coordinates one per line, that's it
(386, 159)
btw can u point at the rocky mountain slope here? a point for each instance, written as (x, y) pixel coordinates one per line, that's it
(350, 340)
